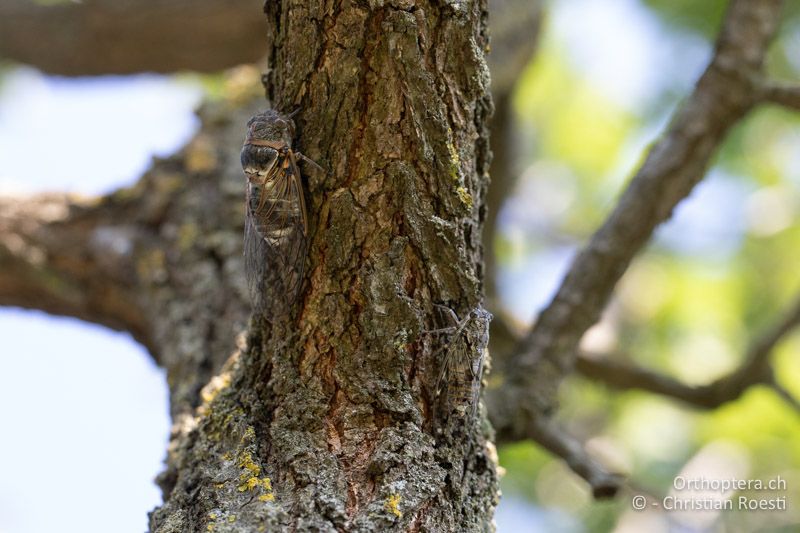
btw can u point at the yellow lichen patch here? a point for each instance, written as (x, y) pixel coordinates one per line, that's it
(249, 434)
(250, 480)
(246, 462)
(210, 526)
(187, 235)
(392, 505)
(227, 456)
(455, 159)
(212, 516)
(232, 518)
(454, 173)
(220, 485)
(214, 387)
(452, 148)
(250, 484)
(465, 197)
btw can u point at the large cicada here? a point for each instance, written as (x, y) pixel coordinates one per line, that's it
(276, 222)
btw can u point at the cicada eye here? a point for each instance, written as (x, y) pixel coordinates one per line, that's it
(257, 159)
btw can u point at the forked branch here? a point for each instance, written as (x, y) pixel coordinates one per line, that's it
(674, 165)
(756, 370)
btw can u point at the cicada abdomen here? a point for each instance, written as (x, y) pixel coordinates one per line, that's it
(276, 223)
(461, 361)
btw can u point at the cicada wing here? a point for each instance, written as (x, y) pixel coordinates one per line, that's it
(297, 241)
(256, 252)
(459, 377)
(461, 365)
(260, 166)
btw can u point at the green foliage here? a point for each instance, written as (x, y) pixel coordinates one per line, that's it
(568, 112)
(702, 16)
(762, 146)
(575, 133)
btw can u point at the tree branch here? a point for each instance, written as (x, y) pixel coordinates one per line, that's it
(123, 36)
(47, 262)
(604, 484)
(674, 165)
(781, 93)
(787, 396)
(755, 370)
(627, 376)
(540, 429)
(515, 27)
(726, 91)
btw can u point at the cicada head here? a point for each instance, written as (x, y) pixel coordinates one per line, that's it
(271, 126)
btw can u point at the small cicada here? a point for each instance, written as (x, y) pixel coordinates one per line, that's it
(461, 360)
(276, 222)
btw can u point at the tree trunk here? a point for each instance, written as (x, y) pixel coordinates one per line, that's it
(355, 411)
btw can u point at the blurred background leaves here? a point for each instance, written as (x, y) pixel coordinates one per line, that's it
(606, 77)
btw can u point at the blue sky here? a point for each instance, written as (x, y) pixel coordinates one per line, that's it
(84, 408)
(86, 425)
